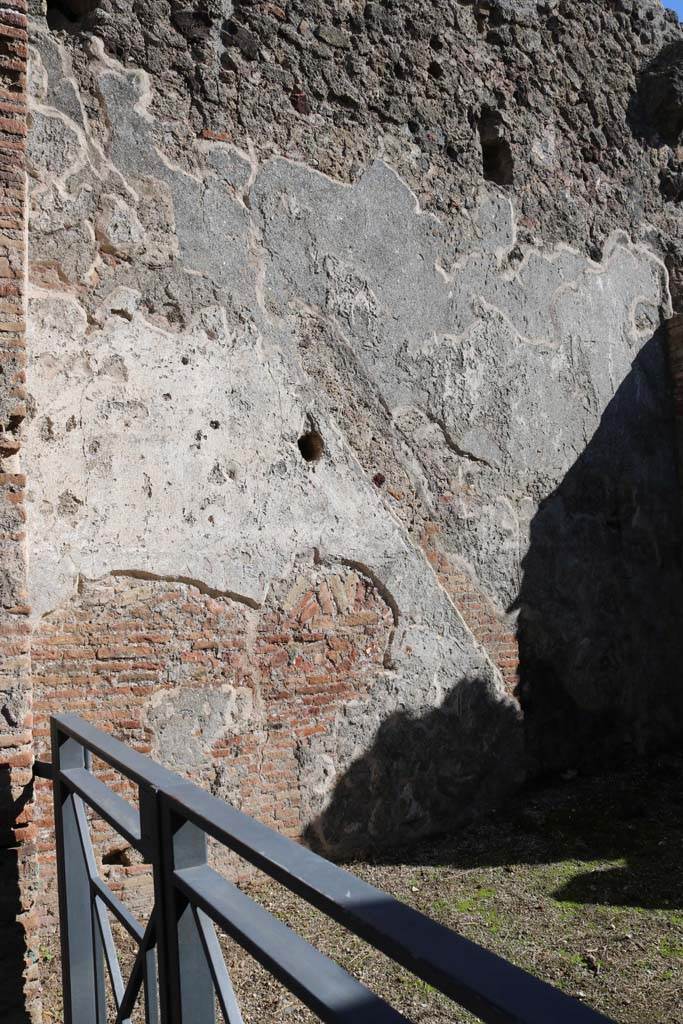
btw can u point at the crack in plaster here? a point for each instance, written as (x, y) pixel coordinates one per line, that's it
(200, 585)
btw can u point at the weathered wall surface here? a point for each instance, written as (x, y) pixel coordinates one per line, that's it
(557, 90)
(497, 437)
(349, 436)
(18, 931)
(232, 247)
(229, 504)
(230, 694)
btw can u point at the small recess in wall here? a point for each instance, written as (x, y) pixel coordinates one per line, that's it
(497, 160)
(71, 10)
(311, 445)
(120, 855)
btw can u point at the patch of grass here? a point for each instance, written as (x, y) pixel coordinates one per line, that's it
(410, 981)
(493, 921)
(575, 959)
(671, 949)
(470, 904)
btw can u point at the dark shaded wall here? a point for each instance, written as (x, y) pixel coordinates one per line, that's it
(602, 590)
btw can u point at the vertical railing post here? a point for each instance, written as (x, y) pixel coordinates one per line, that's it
(156, 960)
(186, 993)
(184, 846)
(82, 955)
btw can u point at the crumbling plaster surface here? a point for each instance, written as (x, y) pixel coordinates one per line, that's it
(339, 83)
(174, 453)
(515, 364)
(185, 329)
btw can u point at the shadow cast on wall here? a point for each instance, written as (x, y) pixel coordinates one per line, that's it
(13, 947)
(655, 112)
(422, 769)
(655, 115)
(600, 638)
(601, 598)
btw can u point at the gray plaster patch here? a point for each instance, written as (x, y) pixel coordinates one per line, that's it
(53, 146)
(516, 366)
(212, 227)
(186, 721)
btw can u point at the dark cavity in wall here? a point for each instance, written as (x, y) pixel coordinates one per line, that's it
(70, 10)
(656, 109)
(497, 160)
(311, 445)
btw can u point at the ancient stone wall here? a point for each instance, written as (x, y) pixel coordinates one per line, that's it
(18, 932)
(187, 455)
(349, 442)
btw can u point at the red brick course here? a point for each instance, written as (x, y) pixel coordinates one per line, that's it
(17, 831)
(485, 622)
(125, 648)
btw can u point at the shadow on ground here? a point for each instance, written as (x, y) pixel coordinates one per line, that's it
(634, 818)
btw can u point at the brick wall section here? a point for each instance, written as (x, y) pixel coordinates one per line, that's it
(323, 648)
(485, 622)
(226, 694)
(18, 996)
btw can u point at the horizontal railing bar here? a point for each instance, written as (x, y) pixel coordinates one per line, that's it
(320, 983)
(121, 815)
(118, 909)
(142, 770)
(490, 987)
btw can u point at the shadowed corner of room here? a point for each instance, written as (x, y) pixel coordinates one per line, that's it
(602, 587)
(601, 647)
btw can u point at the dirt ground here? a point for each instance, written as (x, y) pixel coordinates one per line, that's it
(579, 882)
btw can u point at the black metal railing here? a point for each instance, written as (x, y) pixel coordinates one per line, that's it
(179, 968)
